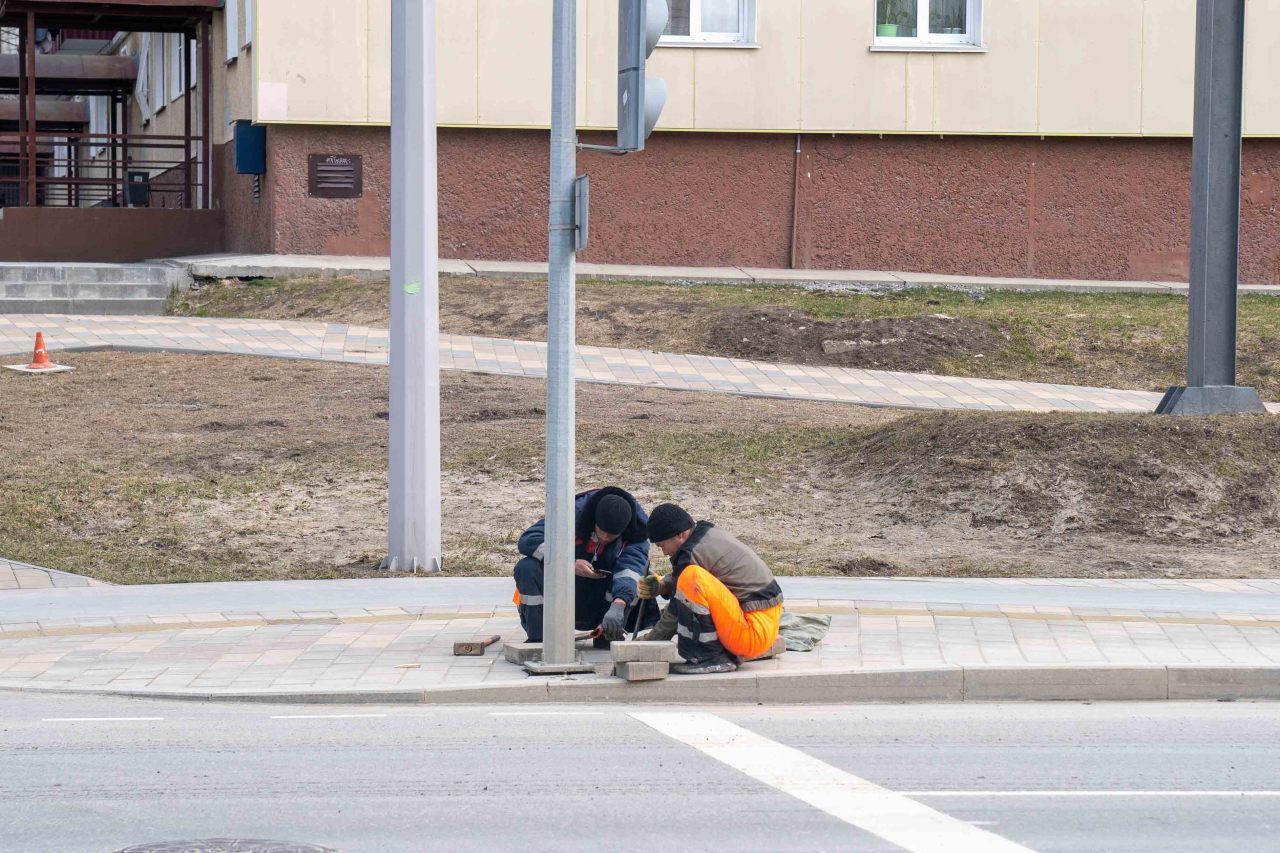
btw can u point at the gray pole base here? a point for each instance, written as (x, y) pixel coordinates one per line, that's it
(537, 667)
(1212, 400)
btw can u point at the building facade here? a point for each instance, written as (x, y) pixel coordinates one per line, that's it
(1046, 138)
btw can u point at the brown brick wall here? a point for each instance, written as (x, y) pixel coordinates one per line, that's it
(1056, 208)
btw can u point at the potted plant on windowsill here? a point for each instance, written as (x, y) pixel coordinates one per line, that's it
(888, 14)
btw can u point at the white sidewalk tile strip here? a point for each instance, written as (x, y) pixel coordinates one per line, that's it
(893, 817)
(362, 345)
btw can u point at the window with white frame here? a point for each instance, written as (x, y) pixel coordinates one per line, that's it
(247, 41)
(231, 19)
(159, 72)
(173, 46)
(928, 23)
(711, 22)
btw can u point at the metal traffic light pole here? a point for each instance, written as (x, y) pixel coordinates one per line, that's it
(641, 23)
(414, 471)
(1215, 219)
(558, 649)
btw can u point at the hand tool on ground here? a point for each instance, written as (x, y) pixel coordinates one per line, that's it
(639, 618)
(474, 648)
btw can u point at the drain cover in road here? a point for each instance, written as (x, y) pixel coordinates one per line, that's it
(227, 845)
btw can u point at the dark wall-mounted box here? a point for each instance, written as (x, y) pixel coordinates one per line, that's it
(251, 148)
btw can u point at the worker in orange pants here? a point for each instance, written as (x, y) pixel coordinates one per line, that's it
(725, 602)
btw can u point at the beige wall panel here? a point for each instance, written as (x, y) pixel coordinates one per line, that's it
(326, 81)
(754, 89)
(1262, 68)
(845, 85)
(920, 82)
(1090, 66)
(515, 79)
(457, 41)
(992, 92)
(583, 68)
(677, 67)
(1168, 66)
(378, 70)
(600, 34)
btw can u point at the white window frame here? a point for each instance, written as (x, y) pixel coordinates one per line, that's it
(745, 37)
(968, 41)
(231, 20)
(159, 73)
(247, 41)
(173, 44)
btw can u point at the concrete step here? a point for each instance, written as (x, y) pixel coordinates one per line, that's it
(115, 307)
(72, 290)
(85, 273)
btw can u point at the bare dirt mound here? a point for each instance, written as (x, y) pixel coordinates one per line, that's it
(1149, 477)
(916, 343)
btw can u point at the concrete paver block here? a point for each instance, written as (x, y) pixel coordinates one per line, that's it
(779, 647)
(1209, 682)
(522, 653)
(1066, 683)
(644, 650)
(643, 670)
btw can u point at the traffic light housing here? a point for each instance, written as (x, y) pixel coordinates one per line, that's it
(641, 24)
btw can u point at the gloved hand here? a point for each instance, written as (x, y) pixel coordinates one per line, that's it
(614, 624)
(649, 586)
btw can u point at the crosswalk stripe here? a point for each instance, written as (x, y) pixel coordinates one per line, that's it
(897, 819)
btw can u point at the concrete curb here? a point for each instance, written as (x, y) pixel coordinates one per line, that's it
(945, 684)
(375, 269)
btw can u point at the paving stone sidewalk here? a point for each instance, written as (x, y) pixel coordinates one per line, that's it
(365, 345)
(373, 268)
(21, 576)
(374, 651)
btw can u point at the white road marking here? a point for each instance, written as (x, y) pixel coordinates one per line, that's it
(1090, 793)
(891, 816)
(102, 719)
(327, 716)
(546, 713)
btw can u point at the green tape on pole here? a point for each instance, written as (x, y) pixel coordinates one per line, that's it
(413, 287)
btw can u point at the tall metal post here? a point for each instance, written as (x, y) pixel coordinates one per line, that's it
(32, 141)
(23, 147)
(558, 622)
(1215, 217)
(414, 526)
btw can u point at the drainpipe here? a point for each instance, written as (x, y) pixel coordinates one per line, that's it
(795, 208)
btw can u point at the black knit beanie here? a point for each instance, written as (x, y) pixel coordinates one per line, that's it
(613, 514)
(667, 521)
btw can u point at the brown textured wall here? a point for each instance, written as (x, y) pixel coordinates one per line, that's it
(1056, 208)
(319, 226)
(706, 200)
(249, 225)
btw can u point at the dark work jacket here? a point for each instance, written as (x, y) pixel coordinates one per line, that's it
(625, 560)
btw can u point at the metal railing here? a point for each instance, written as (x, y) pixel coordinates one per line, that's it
(101, 170)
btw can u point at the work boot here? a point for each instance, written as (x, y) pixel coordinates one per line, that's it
(710, 667)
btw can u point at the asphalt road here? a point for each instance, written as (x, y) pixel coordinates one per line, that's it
(98, 774)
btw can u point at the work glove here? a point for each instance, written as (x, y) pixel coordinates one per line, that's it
(614, 624)
(649, 586)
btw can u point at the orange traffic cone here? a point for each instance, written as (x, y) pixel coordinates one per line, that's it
(40, 356)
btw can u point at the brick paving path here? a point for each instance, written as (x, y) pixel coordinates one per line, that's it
(411, 647)
(364, 345)
(21, 576)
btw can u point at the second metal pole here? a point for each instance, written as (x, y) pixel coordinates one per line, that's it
(1215, 200)
(558, 620)
(414, 501)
